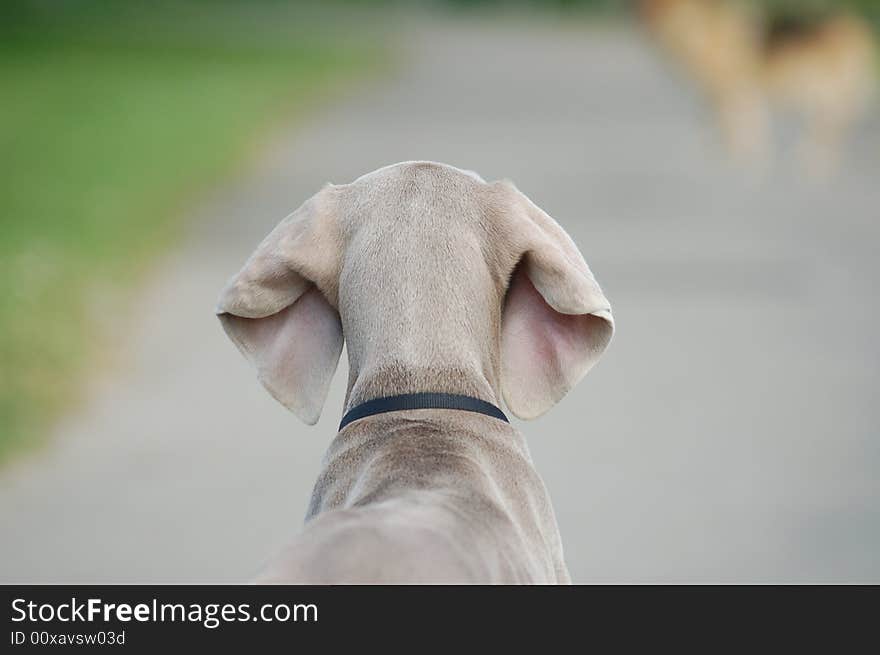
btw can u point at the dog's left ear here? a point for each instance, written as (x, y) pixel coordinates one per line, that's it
(280, 309)
(556, 321)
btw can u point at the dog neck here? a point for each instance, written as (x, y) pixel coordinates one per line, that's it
(393, 378)
(422, 326)
(402, 357)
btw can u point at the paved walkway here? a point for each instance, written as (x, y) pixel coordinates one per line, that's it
(731, 432)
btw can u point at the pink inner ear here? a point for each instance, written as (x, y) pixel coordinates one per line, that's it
(544, 352)
(295, 351)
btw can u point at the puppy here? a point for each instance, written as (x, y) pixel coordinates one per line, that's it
(821, 68)
(450, 293)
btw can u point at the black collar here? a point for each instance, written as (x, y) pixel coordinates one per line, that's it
(421, 401)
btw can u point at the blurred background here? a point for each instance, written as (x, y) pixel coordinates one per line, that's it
(717, 162)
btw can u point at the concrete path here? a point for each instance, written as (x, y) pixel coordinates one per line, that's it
(730, 434)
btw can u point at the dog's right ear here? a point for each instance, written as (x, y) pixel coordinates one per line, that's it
(280, 309)
(556, 321)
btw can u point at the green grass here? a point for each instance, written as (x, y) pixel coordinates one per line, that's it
(109, 123)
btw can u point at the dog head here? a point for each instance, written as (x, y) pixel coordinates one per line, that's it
(426, 266)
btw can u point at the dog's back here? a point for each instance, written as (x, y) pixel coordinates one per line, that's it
(819, 63)
(428, 495)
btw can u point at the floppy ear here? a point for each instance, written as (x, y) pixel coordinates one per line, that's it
(280, 308)
(556, 321)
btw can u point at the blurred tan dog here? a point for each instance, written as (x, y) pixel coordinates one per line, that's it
(821, 68)
(438, 282)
